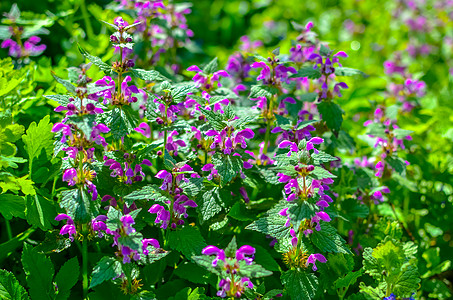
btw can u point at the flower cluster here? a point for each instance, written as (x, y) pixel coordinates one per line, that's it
(232, 284)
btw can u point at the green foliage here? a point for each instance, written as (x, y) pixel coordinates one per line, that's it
(106, 269)
(300, 285)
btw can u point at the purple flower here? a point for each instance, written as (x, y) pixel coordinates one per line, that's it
(213, 250)
(245, 250)
(315, 257)
(69, 228)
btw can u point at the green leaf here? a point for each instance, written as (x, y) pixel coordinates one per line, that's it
(300, 285)
(271, 225)
(328, 240)
(302, 211)
(348, 280)
(206, 263)
(210, 203)
(193, 273)
(186, 240)
(151, 75)
(121, 121)
(211, 67)
(344, 71)
(78, 205)
(324, 50)
(107, 268)
(96, 60)
(332, 114)
(401, 133)
(307, 72)
(69, 86)
(84, 123)
(37, 138)
(68, 275)
(169, 161)
(397, 163)
(10, 289)
(227, 166)
(215, 119)
(321, 173)
(12, 206)
(253, 270)
(230, 250)
(262, 91)
(322, 157)
(239, 212)
(179, 92)
(39, 211)
(133, 240)
(148, 192)
(153, 255)
(407, 282)
(376, 129)
(39, 270)
(308, 97)
(192, 187)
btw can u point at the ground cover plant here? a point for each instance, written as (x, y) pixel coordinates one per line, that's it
(240, 150)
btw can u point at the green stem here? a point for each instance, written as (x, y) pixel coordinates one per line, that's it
(270, 116)
(86, 19)
(85, 262)
(8, 230)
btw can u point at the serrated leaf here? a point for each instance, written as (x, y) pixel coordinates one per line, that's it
(227, 166)
(210, 203)
(132, 240)
(186, 240)
(307, 72)
(253, 270)
(69, 86)
(38, 137)
(148, 192)
(12, 206)
(151, 75)
(302, 211)
(211, 67)
(262, 91)
(407, 282)
(192, 187)
(321, 173)
(121, 121)
(39, 270)
(10, 289)
(193, 273)
(179, 92)
(68, 275)
(328, 240)
(106, 269)
(271, 225)
(96, 60)
(345, 71)
(300, 285)
(215, 119)
(322, 157)
(63, 100)
(348, 280)
(397, 164)
(332, 114)
(38, 210)
(78, 205)
(309, 97)
(206, 262)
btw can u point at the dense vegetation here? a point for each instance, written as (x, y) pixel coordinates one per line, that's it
(226, 149)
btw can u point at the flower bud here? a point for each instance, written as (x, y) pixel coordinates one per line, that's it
(90, 107)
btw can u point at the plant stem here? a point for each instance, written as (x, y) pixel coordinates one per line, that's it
(270, 116)
(86, 19)
(8, 230)
(85, 262)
